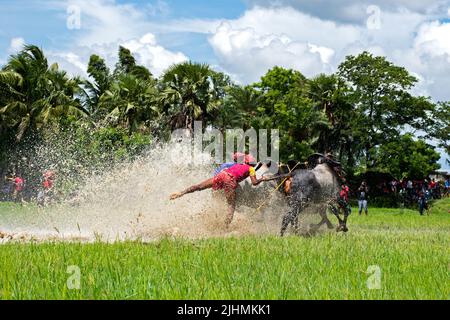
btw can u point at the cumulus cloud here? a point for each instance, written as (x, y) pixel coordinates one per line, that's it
(106, 21)
(430, 58)
(267, 36)
(106, 25)
(311, 36)
(16, 45)
(433, 39)
(145, 49)
(248, 55)
(152, 55)
(354, 11)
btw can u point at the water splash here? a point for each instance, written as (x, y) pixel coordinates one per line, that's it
(131, 201)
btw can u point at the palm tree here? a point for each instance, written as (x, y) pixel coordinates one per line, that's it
(240, 107)
(93, 90)
(191, 91)
(36, 94)
(130, 102)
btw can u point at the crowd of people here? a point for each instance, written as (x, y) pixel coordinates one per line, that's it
(413, 188)
(410, 192)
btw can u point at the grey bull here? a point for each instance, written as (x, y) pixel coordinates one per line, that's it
(319, 186)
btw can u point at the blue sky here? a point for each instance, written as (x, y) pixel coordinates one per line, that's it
(40, 22)
(241, 37)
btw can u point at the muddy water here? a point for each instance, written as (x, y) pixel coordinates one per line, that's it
(132, 202)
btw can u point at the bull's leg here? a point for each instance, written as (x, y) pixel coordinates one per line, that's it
(325, 220)
(288, 219)
(295, 223)
(335, 211)
(344, 222)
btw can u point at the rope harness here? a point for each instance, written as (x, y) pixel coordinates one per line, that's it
(278, 187)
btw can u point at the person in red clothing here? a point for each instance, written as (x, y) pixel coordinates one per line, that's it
(18, 187)
(49, 177)
(47, 187)
(228, 180)
(344, 193)
(343, 198)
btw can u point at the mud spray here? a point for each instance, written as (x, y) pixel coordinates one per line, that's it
(131, 201)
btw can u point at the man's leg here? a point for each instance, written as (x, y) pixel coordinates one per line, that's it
(231, 201)
(365, 207)
(360, 206)
(198, 187)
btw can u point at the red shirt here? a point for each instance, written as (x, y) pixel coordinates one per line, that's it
(344, 193)
(48, 184)
(241, 171)
(18, 183)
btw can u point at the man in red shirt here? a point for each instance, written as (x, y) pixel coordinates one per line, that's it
(228, 180)
(18, 187)
(343, 198)
(47, 184)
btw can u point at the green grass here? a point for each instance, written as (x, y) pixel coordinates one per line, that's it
(411, 251)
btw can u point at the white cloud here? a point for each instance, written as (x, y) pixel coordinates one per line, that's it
(106, 21)
(152, 55)
(145, 49)
(16, 45)
(159, 8)
(107, 24)
(355, 11)
(433, 39)
(311, 36)
(248, 55)
(267, 36)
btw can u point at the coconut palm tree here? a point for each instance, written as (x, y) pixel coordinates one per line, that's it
(36, 94)
(191, 91)
(130, 102)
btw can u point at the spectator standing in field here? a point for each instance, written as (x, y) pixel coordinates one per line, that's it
(47, 187)
(423, 204)
(432, 188)
(362, 198)
(409, 188)
(18, 188)
(394, 184)
(447, 187)
(343, 199)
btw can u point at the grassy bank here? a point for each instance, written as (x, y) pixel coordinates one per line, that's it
(410, 251)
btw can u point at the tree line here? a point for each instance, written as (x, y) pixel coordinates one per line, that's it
(364, 113)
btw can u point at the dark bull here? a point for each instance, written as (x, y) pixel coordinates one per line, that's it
(317, 183)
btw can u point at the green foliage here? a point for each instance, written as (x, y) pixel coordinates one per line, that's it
(440, 128)
(361, 113)
(379, 95)
(98, 70)
(117, 144)
(191, 92)
(127, 65)
(283, 105)
(406, 157)
(36, 94)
